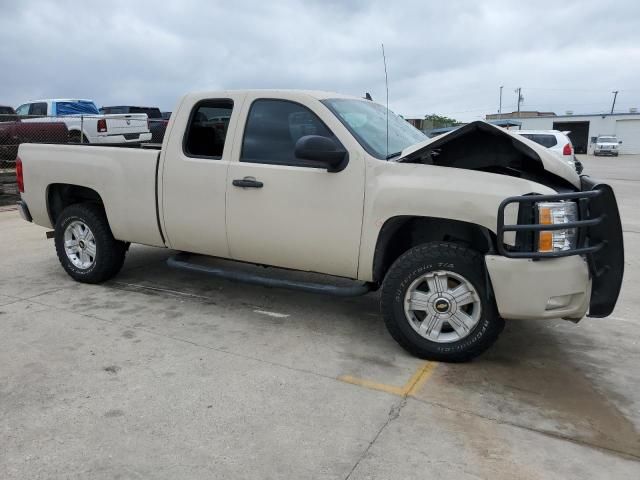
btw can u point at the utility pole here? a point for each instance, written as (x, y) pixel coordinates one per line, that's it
(519, 99)
(500, 107)
(615, 94)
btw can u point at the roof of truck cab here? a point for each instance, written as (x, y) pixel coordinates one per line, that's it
(60, 100)
(318, 94)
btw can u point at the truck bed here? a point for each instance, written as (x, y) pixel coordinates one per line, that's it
(124, 178)
(13, 134)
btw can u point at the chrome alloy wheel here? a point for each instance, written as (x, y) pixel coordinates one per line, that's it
(80, 245)
(442, 306)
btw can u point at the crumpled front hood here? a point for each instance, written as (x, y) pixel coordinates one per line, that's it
(480, 145)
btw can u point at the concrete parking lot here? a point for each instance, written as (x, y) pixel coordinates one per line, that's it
(165, 374)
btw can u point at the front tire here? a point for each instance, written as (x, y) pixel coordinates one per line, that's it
(436, 304)
(85, 245)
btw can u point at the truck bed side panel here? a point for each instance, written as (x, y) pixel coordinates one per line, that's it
(123, 177)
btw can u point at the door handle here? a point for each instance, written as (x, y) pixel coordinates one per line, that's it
(247, 182)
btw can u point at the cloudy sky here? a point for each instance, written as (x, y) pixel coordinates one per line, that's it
(445, 57)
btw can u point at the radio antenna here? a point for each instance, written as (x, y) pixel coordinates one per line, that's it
(386, 82)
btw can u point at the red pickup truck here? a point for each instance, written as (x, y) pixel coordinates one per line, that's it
(13, 132)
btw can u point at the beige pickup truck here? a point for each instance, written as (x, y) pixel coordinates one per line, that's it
(457, 232)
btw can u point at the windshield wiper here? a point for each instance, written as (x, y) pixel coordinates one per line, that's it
(388, 157)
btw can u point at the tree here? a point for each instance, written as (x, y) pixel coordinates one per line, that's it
(438, 121)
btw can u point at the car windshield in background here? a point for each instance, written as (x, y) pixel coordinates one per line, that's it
(7, 114)
(79, 107)
(367, 121)
(607, 140)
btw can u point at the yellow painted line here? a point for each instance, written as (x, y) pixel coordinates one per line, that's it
(415, 383)
(425, 374)
(383, 387)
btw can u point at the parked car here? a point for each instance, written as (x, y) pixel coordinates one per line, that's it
(557, 142)
(606, 145)
(320, 182)
(13, 132)
(85, 123)
(157, 124)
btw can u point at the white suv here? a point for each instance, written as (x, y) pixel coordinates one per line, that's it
(556, 141)
(606, 145)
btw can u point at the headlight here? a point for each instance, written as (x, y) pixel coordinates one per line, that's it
(556, 213)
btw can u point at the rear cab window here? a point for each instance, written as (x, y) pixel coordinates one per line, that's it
(206, 131)
(151, 112)
(113, 110)
(76, 107)
(7, 114)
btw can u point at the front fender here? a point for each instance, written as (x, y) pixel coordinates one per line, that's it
(403, 189)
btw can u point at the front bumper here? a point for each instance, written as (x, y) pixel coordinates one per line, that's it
(605, 152)
(528, 284)
(529, 289)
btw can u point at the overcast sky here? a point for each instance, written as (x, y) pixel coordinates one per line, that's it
(445, 57)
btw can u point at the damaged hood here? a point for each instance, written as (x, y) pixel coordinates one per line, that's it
(482, 146)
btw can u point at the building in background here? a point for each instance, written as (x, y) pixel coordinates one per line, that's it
(520, 114)
(584, 129)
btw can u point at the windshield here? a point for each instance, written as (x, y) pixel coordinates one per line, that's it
(607, 139)
(367, 121)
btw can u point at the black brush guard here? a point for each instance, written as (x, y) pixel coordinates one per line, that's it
(599, 239)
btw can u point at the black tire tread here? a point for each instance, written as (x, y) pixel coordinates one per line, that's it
(111, 252)
(415, 256)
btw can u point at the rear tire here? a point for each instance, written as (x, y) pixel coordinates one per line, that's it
(85, 245)
(443, 286)
(77, 137)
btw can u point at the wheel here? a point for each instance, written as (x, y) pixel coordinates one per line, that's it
(436, 305)
(77, 137)
(85, 245)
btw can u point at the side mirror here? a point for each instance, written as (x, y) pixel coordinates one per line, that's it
(321, 149)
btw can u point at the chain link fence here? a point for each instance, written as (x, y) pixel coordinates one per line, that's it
(129, 130)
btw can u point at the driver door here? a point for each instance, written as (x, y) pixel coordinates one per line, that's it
(296, 214)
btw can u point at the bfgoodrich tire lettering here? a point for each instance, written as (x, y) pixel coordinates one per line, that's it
(429, 260)
(109, 252)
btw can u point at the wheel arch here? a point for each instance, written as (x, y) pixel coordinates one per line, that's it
(400, 233)
(62, 195)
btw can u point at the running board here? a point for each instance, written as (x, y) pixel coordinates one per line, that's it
(181, 261)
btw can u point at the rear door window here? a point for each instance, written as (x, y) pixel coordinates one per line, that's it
(207, 129)
(542, 139)
(38, 109)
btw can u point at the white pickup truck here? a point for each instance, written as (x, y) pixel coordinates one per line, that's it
(457, 232)
(85, 122)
